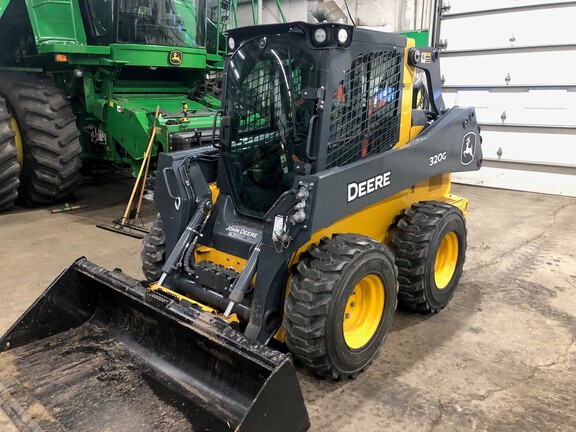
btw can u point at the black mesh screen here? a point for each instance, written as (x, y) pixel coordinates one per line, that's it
(269, 120)
(261, 103)
(365, 117)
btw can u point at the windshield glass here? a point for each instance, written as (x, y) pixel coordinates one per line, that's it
(178, 23)
(269, 118)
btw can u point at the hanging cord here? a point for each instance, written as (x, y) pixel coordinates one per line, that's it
(281, 11)
(349, 14)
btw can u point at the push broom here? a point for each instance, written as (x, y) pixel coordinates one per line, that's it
(128, 223)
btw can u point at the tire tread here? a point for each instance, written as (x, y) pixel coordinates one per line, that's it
(311, 292)
(50, 137)
(9, 168)
(153, 254)
(412, 240)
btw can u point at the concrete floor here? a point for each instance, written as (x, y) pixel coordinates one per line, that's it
(501, 356)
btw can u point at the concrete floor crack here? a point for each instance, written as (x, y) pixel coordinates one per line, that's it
(437, 421)
(532, 241)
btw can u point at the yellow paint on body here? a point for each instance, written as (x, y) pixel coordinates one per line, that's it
(156, 287)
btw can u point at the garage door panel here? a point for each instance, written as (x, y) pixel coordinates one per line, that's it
(523, 68)
(532, 107)
(514, 61)
(553, 183)
(466, 6)
(524, 117)
(529, 147)
(524, 28)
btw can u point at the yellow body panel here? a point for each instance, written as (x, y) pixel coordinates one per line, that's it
(406, 108)
(215, 191)
(205, 253)
(156, 287)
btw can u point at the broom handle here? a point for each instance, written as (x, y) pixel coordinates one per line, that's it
(146, 156)
(143, 185)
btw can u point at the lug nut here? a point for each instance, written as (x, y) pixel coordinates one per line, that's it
(347, 316)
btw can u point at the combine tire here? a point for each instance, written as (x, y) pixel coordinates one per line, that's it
(9, 168)
(153, 253)
(431, 248)
(51, 148)
(341, 305)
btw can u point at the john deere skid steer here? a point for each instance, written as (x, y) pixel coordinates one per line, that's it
(326, 201)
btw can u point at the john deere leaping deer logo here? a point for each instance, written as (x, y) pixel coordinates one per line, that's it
(175, 57)
(468, 148)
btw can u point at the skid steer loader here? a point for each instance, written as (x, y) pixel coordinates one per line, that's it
(326, 200)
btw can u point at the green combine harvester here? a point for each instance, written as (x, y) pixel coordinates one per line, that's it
(80, 80)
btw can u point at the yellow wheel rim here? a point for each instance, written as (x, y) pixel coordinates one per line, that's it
(446, 260)
(17, 140)
(363, 311)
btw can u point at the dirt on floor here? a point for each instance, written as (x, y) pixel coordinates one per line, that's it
(501, 356)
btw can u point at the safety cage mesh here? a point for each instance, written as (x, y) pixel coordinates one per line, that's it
(260, 108)
(365, 116)
(269, 121)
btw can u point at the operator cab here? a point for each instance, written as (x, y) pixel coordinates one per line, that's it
(299, 98)
(269, 120)
(150, 22)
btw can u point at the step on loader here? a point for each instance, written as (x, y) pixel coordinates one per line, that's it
(324, 203)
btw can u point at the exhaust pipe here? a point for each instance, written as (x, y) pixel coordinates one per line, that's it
(329, 11)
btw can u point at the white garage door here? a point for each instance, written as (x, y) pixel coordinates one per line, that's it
(515, 61)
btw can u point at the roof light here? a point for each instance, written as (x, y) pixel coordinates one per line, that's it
(320, 36)
(343, 35)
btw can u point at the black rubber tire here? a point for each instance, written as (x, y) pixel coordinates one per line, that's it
(9, 168)
(417, 240)
(51, 168)
(153, 255)
(321, 285)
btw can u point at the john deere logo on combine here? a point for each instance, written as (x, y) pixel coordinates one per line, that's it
(175, 57)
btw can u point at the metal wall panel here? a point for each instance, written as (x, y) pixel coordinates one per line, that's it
(535, 68)
(467, 6)
(522, 28)
(514, 61)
